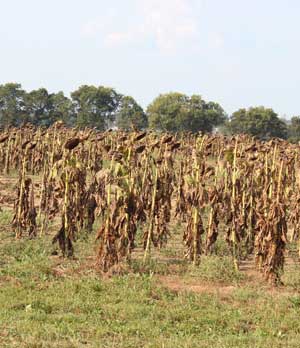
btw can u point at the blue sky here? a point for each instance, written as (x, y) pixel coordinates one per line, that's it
(239, 53)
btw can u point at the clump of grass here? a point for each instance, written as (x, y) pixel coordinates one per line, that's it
(150, 268)
(217, 269)
(246, 294)
(221, 248)
(291, 277)
(25, 259)
(23, 250)
(5, 217)
(295, 301)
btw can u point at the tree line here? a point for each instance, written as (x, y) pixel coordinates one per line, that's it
(103, 107)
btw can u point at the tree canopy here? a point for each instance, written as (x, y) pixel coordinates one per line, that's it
(177, 112)
(95, 106)
(294, 129)
(89, 106)
(103, 107)
(257, 121)
(130, 114)
(38, 106)
(12, 104)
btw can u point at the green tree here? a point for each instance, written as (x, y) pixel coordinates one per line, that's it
(38, 106)
(61, 109)
(12, 104)
(203, 116)
(130, 114)
(166, 112)
(177, 112)
(44, 109)
(95, 106)
(257, 121)
(294, 129)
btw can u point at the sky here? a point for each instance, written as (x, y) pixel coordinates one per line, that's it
(239, 53)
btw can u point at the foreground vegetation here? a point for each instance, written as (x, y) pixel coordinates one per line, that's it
(141, 184)
(46, 301)
(114, 239)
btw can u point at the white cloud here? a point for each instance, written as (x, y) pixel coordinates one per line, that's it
(100, 23)
(168, 23)
(92, 27)
(117, 38)
(217, 40)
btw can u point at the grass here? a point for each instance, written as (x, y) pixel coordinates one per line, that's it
(46, 301)
(134, 311)
(215, 268)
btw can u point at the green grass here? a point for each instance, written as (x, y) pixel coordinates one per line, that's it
(5, 217)
(215, 268)
(134, 311)
(46, 301)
